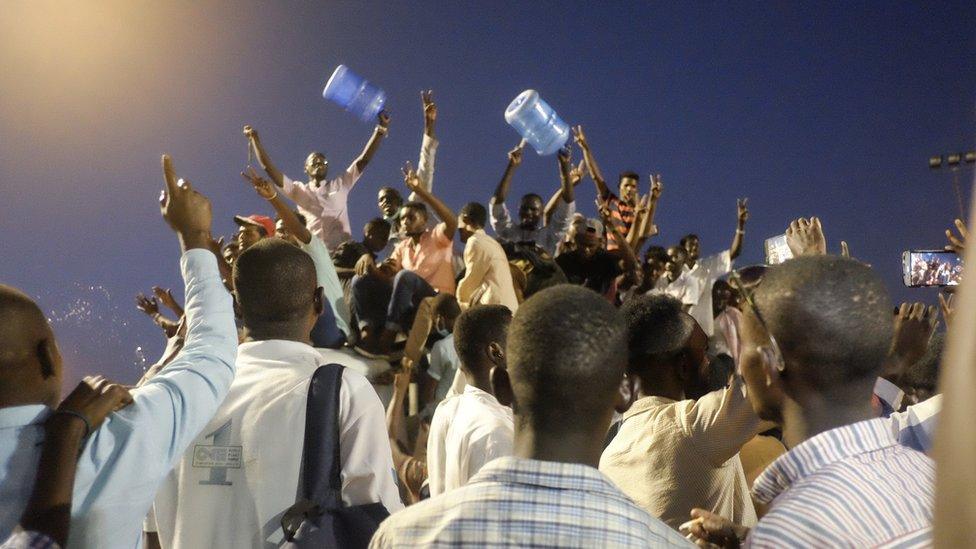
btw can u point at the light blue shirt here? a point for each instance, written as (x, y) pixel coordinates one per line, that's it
(328, 280)
(126, 459)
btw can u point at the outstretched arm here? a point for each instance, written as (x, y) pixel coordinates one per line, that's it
(514, 159)
(373, 145)
(440, 209)
(740, 228)
(262, 156)
(266, 191)
(601, 185)
(428, 145)
(575, 176)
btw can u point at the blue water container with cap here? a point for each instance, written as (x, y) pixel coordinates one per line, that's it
(537, 122)
(354, 94)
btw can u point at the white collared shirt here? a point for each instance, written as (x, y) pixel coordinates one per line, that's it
(467, 431)
(242, 471)
(694, 286)
(325, 206)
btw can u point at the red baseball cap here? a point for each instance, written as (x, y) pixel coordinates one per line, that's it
(262, 221)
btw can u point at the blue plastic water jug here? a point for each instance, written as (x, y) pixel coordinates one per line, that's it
(354, 94)
(535, 120)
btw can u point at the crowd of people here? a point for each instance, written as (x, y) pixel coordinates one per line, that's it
(558, 383)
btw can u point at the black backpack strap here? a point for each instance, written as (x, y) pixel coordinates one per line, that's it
(319, 484)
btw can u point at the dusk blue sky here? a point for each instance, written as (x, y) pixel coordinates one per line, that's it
(806, 109)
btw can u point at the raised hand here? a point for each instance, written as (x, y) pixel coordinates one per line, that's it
(945, 303)
(579, 137)
(741, 206)
(411, 179)
(165, 296)
(657, 188)
(94, 399)
(565, 155)
(383, 119)
(430, 109)
(264, 187)
(250, 132)
(805, 237)
(515, 155)
(185, 210)
(576, 173)
(147, 305)
(957, 243)
(914, 325)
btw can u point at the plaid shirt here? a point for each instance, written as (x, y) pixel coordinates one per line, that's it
(514, 502)
(28, 539)
(853, 486)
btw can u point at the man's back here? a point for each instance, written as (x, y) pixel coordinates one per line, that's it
(242, 472)
(466, 432)
(514, 502)
(853, 486)
(489, 277)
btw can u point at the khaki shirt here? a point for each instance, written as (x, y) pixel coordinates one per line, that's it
(671, 456)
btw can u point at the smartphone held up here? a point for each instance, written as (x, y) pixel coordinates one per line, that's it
(921, 268)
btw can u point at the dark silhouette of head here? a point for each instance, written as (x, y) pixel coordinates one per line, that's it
(30, 362)
(566, 358)
(276, 290)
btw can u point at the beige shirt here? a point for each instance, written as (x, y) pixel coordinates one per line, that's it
(488, 277)
(671, 456)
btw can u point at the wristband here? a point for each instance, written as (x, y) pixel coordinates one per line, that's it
(78, 415)
(381, 130)
(272, 197)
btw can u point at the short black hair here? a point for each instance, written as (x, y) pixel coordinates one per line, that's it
(301, 218)
(658, 329)
(476, 213)
(831, 317)
(626, 175)
(392, 191)
(415, 205)
(530, 196)
(656, 252)
(477, 328)
(446, 305)
(376, 222)
(684, 239)
(567, 352)
(275, 283)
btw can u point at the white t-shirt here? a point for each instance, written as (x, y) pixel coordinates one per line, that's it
(241, 473)
(467, 431)
(325, 207)
(694, 286)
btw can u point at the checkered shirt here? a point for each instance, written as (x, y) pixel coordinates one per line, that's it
(514, 502)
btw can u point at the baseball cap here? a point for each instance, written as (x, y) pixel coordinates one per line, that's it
(262, 221)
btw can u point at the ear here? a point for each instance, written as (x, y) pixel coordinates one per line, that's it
(237, 306)
(318, 301)
(501, 385)
(49, 357)
(496, 354)
(625, 395)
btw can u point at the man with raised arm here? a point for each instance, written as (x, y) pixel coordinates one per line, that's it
(532, 227)
(388, 199)
(699, 274)
(385, 296)
(231, 488)
(125, 460)
(816, 334)
(324, 202)
(623, 208)
(566, 352)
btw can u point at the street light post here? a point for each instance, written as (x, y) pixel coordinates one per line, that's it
(954, 161)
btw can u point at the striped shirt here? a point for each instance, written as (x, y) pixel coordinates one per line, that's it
(853, 486)
(514, 502)
(28, 539)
